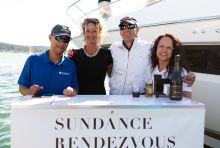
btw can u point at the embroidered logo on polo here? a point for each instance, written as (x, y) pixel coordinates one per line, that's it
(64, 73)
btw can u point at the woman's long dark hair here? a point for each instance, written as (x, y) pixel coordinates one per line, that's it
(177, 49)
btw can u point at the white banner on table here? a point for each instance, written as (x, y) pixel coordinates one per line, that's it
(107, 128)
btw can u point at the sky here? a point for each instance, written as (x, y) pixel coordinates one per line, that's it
(29, 22)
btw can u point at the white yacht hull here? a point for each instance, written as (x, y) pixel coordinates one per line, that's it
(196, 23)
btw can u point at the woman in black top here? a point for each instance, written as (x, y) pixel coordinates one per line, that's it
(92, 61)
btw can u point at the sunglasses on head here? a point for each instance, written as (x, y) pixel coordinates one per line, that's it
(63, 38)
(93, 20)
(127, 26)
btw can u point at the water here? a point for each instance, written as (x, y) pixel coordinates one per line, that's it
(11, 65)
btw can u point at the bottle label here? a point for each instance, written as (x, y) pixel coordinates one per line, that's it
(166, 89)
(175, 92)
(148, 89)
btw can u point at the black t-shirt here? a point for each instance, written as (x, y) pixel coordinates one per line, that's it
(91, 71)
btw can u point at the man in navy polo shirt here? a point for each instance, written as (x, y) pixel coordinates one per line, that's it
(50, 72)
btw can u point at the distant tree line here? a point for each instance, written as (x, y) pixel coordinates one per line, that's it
(5, 47)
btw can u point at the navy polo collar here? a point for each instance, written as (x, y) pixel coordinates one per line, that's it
(45, 59)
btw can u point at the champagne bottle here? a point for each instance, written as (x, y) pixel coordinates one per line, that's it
(176, 81)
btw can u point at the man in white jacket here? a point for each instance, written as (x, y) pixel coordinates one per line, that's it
(131, 60)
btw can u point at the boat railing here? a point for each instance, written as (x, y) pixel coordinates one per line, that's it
(80, 9)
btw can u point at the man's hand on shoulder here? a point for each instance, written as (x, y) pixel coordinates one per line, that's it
(189, 78)
(70, 53)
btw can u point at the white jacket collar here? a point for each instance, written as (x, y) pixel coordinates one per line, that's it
(134, 45)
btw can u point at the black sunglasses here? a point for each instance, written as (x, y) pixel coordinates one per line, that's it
(63, 38)
(128, 26)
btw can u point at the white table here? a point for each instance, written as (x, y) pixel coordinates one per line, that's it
(106, 122)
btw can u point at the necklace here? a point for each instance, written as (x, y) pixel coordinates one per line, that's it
(91, 55)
